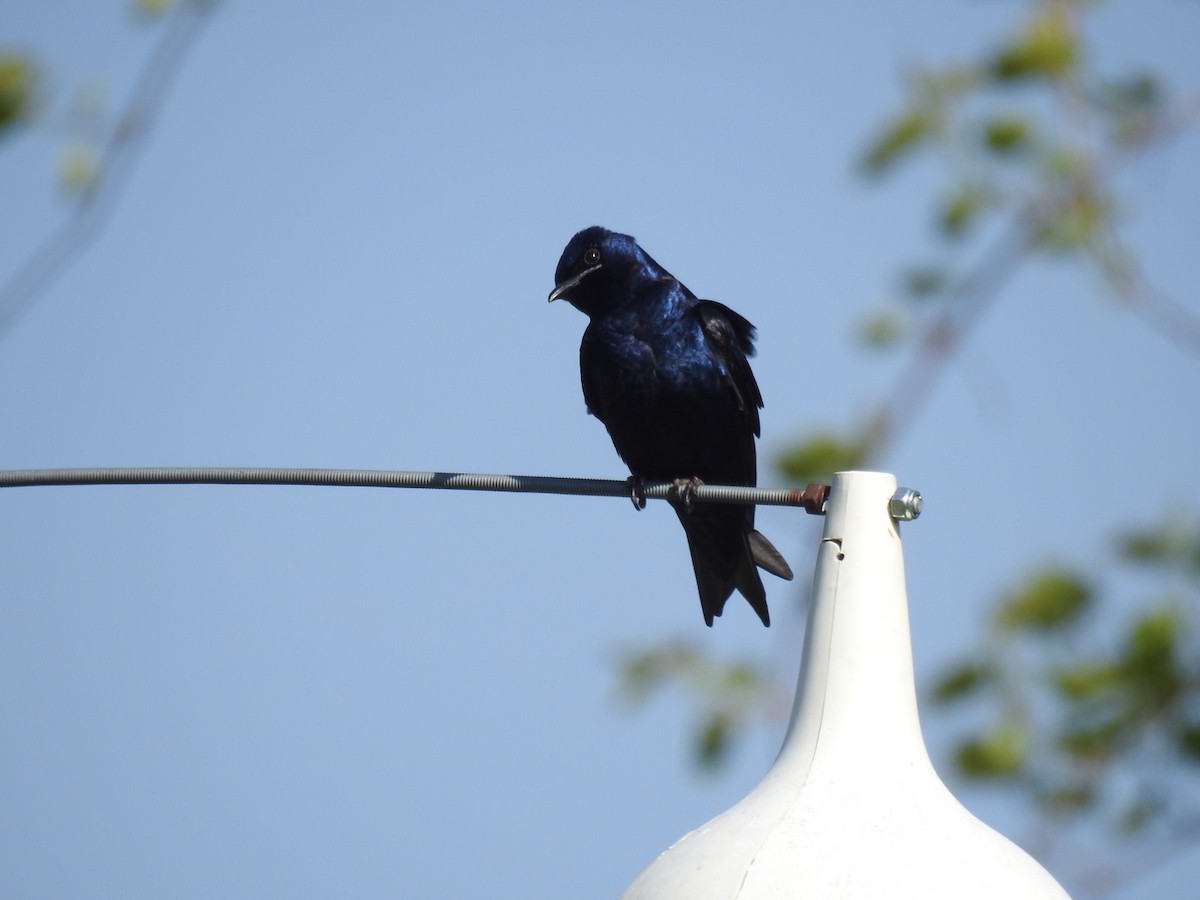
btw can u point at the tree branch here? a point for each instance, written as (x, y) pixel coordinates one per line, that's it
(117, 160)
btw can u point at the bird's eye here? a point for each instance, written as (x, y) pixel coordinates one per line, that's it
(591, 256)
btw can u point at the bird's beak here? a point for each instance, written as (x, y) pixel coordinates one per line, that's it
(560, 290)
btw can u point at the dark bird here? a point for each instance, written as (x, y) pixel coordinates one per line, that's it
(667, 374)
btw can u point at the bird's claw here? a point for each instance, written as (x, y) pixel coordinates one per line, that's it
(686, 492)
(637, 492)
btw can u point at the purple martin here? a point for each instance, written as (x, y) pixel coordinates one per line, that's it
(668, 375)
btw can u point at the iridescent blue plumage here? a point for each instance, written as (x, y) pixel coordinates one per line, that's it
(668, 375)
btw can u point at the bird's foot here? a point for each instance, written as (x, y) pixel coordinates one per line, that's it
(686, 492)
(637, 491)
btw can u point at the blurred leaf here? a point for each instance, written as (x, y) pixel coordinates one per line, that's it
(959, 210)
(1086, 680)
(949, 83)
(925, 281)
(1046, 48)
(1137, 814)
(961, 681)
(713, 741)
(644, 671)
(1066, 164)
(1098, 740)
(1153, 638)
(741, 677)
(1005, 135)
(818, 458)
(898, 138)
(1137, 92)
(998, 754)
(1155, 545)
(1149, 661)
(78, 169)
(1068, 799)
(1133, 103)
(149, 9)
(1053, 599)
(724, 693)
(18, 82)
(1174, 542)
(1189, 741)
(1075, 222)
(883, 329)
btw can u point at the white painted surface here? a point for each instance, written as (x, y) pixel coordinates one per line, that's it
(852, 806)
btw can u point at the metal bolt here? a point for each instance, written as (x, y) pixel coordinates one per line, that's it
(815, 496)
(906, 504)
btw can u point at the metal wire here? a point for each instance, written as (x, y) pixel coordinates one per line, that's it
(812, 498)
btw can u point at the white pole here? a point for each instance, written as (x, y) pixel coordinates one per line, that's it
(852, 807)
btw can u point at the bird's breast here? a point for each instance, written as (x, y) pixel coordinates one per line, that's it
(667, 406)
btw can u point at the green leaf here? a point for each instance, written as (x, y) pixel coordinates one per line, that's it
(1005, 135)
(1153, 637)
(1046, 49)
(737, 678)
(960, 209)
(1140, 91)
(1086, 680)
(882, 330)
(150, 9)
(644, 671)
(962, 681)
(1174, 542)
(921, 282)
(1148, 662)
(1189, 741)
(1132, 103)
(1076, 221)
(714, 740)
(78, 169)
(818, 458)
(1053, 599)
(950, 83)
(1067, 799)
(1139, 813)
(998, 754)
(900, 137)
(1098, 740)
(18, 82)
(1149, 546)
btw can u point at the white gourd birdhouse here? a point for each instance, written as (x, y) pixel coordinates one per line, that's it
(851, 807)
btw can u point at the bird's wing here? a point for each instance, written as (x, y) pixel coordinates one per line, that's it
(603, 356)
(588, 373)
(731, 339)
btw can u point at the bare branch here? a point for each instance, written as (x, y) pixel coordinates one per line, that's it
(117, 160)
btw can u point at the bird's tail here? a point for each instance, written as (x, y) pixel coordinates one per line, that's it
(767, 557)
(726, 554)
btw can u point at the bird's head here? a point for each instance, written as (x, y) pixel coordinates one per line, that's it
(595, 267)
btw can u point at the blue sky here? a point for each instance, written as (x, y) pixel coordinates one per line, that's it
(335, 251)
